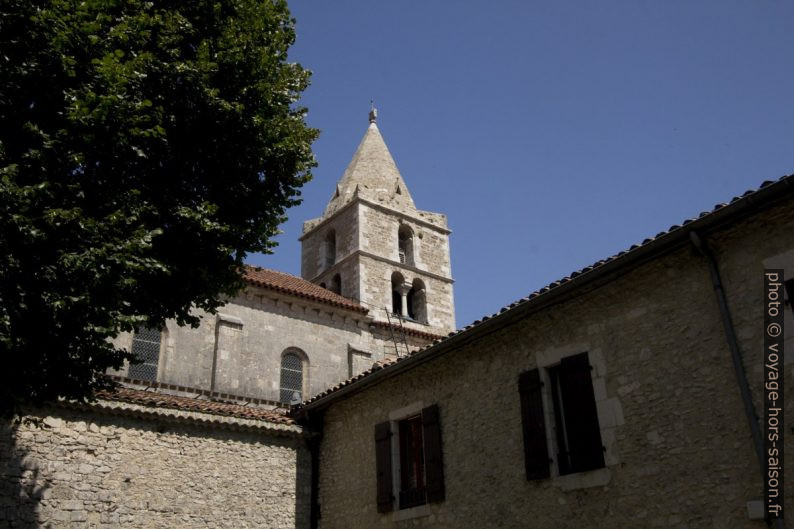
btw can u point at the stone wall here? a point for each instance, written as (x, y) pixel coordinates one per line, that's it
(376, 280)
(239, 350)
(313, 244)
(678, 448)
(80, 468)
(379, 229)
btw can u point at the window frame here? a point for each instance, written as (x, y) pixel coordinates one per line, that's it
(133, 369)
(547, 427)
(389, 468)
(303, 362)
(411, 469)
(405, 245)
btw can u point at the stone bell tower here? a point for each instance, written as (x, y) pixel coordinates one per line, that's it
(372, 244)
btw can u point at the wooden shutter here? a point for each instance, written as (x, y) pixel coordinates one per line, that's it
(536, 451)
(434, 462)
(383, 475)
(581, 417)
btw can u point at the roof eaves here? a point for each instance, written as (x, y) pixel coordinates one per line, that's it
(112, 406)
(351, 305)
(767, 194)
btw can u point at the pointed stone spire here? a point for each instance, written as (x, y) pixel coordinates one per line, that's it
(372, 175)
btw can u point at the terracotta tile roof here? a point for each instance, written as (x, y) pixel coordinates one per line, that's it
(736, 205)
(408, 330)
(155, 399)
(296, 286)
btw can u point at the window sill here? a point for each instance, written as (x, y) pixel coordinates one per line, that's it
(584, 480)
(414, 512)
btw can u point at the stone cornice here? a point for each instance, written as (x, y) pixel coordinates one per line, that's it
(392, 262)
(374, 205)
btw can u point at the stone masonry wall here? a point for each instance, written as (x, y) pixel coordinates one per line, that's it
(79, 469)
(345, 224)
(379, 236)
(678, 448)
(431, 260)
(376, 280)
(249, 336)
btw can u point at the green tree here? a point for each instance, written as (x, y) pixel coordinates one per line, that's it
(145, 148)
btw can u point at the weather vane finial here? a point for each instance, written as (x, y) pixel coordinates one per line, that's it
(373, 112)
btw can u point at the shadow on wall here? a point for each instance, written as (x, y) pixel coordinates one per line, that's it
(303, 487)
(21, 484)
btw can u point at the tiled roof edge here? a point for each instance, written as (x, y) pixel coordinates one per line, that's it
(351, 306)
(408, 330)
(212, 395)
(750, 201)
(153, 405)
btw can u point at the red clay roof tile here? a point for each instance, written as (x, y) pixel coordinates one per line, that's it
(161, 400)
(289, 284)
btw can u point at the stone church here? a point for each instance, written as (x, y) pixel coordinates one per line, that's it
(376, 283)
(626, 394)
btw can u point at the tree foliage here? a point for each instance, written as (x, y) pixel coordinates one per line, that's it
(145, 148)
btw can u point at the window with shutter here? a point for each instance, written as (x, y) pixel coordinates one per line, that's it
(536, 458)
(383, 474)
(434, 461)
(576, 415)
(576, 428)
(412, 462)
(418, 456)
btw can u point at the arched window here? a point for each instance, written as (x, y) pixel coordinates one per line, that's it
(336, 284)
(330, 248)
(417, 301)
(405, 244)
(291, 385)
(145, 347)
(397, 281)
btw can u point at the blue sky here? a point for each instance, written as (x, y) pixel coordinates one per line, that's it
(552, 134)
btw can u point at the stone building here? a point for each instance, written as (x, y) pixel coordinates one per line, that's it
(611, 398)
(376, 284)
(624, 395)
(197, 436)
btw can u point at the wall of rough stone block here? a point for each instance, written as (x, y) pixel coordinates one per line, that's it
(379, 237)
(376, 281)
(679, 452)
(77, 469)
(346, 226)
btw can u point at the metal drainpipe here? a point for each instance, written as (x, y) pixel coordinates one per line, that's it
(741, 376)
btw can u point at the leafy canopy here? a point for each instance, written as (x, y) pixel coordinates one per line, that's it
(146, 147)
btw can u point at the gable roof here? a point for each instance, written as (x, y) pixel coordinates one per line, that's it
(768, 193)
(296, 286)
